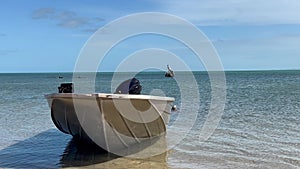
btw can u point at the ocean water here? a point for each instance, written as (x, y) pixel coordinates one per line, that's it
(260, 126)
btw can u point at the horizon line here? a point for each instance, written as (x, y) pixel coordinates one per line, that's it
(229, 70)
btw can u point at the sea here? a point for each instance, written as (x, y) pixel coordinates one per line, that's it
(259, 126)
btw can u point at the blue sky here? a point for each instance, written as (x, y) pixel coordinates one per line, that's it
(47, 36)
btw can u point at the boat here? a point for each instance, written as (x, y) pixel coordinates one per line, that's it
(113, 121)
(170, 72)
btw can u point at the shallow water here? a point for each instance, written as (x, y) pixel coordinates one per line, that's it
(259, 127)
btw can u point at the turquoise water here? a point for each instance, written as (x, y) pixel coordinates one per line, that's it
(260, 126)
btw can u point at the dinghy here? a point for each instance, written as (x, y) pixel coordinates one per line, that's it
(112, 121)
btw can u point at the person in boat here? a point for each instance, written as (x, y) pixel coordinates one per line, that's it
(130, 86)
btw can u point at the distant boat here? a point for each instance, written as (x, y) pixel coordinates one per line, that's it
(107, 116)
(170, 72)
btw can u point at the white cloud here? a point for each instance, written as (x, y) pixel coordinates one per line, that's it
(43, 13)
(67, 19)
(220, 12)
(73, 22)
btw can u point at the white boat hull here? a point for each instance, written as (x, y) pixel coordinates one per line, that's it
(112, 121)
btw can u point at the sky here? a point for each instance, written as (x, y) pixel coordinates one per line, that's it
(48, 35)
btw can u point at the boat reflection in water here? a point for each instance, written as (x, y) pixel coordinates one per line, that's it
(78, 154)
(51, 149)
(81, 154)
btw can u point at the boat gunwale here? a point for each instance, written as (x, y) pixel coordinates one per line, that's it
(107, 96)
